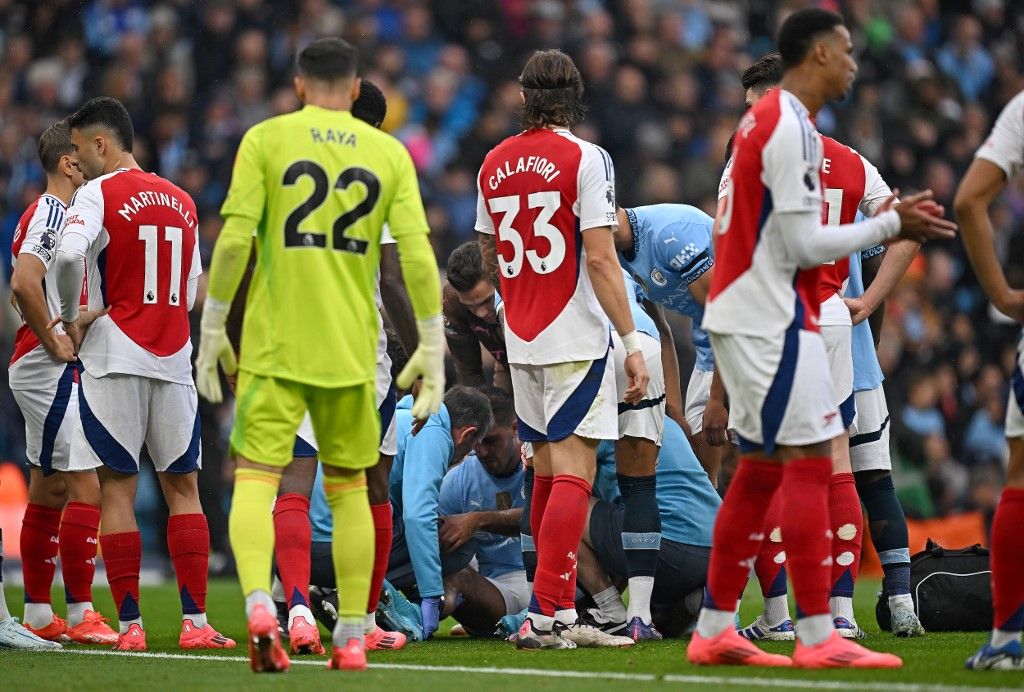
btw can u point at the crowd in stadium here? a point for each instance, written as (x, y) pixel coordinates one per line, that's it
(663, 96)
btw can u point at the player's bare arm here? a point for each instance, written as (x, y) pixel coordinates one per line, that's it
(606, 277)
(455, 530)
(489, 250)
(700, 286)
(981, 185)
(893, 266)
(669, 364)
(27, 289)
(395, 298)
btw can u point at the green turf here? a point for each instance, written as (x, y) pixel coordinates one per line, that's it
(936, 660)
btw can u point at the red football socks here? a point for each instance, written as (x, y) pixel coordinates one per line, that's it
(293, 537)
(805, 526)
(558, 540)
(770, 567)
(78, 544)
(382, 528)
(39, 532)
(1007, 563)
(739, 531)
(122, 556)
(847, 524)
(188, 542)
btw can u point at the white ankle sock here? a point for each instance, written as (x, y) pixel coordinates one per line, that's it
(259, 598)
(776, 610)
(123, 625)
(567, 616)
(38, 614)
(903, 599)
(1004, 637)
(814, 629)
(76, 612)
(711, 623)
(347, 628)
(842, 607)
(640, 590)
(609, 602)
(198, 619)
(300, 611)
(371, 623)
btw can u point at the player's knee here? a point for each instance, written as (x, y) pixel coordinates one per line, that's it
(48, 491)
(83, 487)
(299, 477)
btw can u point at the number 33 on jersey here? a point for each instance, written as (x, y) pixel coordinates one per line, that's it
(538, 191)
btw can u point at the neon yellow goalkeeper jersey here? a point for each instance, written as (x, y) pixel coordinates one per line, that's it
(319, 186)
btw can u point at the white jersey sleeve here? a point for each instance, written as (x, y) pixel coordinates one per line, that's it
(595, 205)
(82, 226)
(43, 231)
(484, 224)
(85, 215)
(1005, 144)
(194, 271)
(792, 163)
(723, 184)
(876, 190)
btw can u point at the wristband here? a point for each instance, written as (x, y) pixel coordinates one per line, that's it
(632, 342)
(215, 313)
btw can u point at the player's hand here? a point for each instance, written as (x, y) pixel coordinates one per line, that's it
(918, 220)
(716, 423)
(86, 317)
(430, 611)
(74, 332)
(214, 347)
(1012, 304)
(60, 347)
(427, 361)
(636, 377)
(859, 310)
(456, 530)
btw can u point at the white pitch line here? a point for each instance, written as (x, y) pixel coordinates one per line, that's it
(782, 682)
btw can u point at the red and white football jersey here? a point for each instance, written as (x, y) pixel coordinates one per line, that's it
(757, 288)
(142, 233)
(1005, 144)
(541, 190)
(852, 184)
(36, 234)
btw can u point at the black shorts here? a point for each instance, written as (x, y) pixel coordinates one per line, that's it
(682, 569)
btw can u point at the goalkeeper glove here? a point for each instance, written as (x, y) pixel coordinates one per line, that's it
(426, 362)
(213, 347)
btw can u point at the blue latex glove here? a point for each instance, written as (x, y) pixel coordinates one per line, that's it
(430, 610)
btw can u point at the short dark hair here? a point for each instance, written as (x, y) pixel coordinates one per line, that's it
(552, 90)
(328, 59)
(465, 266)
(54, 143)
(467, 406)
(371, 106)
(108, 113)
(502, 405)
(396, 352)
(799, 31)
(765, 73)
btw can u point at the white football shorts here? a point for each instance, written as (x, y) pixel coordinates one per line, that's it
(698, 392)
(50, 419)
(120, 413)
(869, 434)
(514, 589)
(560, 399)
(646, 418)
(838, 347)
(780, 391)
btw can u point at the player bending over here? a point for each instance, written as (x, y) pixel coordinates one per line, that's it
(998, 160)
(44, 381)
(550, 197)
(761, 314)
(136, 234)
(318, 185)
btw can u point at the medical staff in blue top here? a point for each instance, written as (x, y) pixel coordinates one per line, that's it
(688, 505)
(668, 250)
(482, 503)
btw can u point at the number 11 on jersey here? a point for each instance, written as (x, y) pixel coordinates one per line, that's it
(172, 235)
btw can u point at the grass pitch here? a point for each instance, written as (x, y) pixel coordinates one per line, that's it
(931, 664)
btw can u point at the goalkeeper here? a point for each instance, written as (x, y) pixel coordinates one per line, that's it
(317, 185)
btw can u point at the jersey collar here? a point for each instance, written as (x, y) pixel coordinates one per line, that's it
(630, 254)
